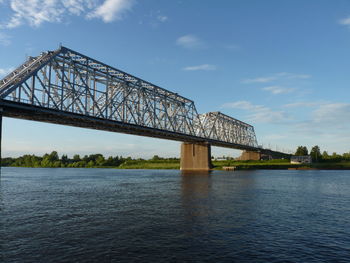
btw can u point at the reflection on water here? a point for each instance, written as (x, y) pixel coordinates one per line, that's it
(195, 188)
(55, 215)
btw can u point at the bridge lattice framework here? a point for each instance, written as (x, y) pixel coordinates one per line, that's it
(67, 87)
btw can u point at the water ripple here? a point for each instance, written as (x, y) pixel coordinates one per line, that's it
(105, 215)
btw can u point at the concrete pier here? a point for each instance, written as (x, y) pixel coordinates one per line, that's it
(195, 157)
(250, 155)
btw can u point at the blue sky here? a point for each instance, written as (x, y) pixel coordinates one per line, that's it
(282, 66)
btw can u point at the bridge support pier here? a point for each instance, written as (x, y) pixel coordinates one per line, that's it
(195, 157)
(250, 155)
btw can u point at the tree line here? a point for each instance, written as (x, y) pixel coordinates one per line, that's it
(53, 160)
(317, 156)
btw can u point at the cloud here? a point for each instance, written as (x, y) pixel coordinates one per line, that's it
(258, 113)
(5, 71)
(259, 80)
(276, 77)
(35, 12)
(332, 114)
(162, 18)
(77, 7)
(243, 105)
(205, 67)
(302, 104)
(189, 41)
(345, 21)
(111, 10)
(278, 90)
(4, 39)
(326, 118)
(292, 75)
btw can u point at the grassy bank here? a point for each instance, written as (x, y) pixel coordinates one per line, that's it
(240, 165)
(245, 165)
(280, 164)
(150, 164)
(99, 161)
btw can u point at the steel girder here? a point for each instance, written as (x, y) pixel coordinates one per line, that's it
(67, 81)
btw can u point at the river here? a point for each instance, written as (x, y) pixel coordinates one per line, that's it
(108, 215)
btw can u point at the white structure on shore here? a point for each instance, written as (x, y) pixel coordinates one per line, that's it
(301, 159)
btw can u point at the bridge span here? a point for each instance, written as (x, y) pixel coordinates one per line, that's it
(69, 88)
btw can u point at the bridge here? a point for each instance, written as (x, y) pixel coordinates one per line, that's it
(66, 87)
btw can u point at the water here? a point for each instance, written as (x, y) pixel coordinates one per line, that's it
(106, 215)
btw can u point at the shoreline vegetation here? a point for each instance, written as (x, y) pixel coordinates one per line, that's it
(53, 160)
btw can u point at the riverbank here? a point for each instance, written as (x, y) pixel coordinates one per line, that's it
(238, 165)
(280, 165)
(174, 164)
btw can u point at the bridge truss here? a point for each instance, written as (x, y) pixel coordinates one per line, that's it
(67, 87)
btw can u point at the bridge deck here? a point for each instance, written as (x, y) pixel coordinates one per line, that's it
(34, 113)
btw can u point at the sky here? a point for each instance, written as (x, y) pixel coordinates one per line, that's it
(282, 66)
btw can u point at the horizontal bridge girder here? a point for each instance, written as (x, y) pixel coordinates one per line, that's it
(27, 112)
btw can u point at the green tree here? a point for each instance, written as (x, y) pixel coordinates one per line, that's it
(51, 160)
(76, 158)
(100, 160)
(346, 156)
(336, 157)
(315, 153)
(156, 158)
(53, 156)
(90, 164)
(64, 160)
(301, 150)
(325, 155)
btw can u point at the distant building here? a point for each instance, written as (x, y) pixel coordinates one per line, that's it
(301, 159)
(223, 158)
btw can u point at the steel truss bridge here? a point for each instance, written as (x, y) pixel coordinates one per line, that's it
(69, 88)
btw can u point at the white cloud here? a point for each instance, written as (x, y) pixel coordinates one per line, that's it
(5, 71)
(345, 21)
(34, 12)
(258, 113)
(111, 10)
(37, 12)
(326, 119)
(77, 7)
(243, 104)
(302, 104)
(162, 18)
(292, 75)
(282, 76)
(278, 89)
(332, 114)
(205, 67)
(189, 41)
(259, 80)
